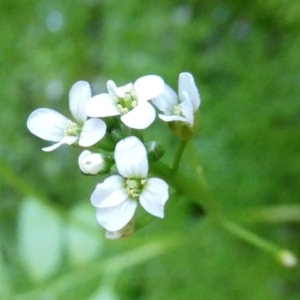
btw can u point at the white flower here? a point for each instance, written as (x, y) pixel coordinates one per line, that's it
(183, 106)
(91, 163)
(116, 199)
(129, 101)
(52, 126)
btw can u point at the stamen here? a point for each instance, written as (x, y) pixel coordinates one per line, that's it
(127, 103)
(72, 129)
(134, 187)
(177, 110)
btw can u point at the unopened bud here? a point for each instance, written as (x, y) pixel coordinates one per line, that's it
(287, 258)
(91, 163)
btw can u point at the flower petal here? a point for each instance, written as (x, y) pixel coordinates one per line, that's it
(187, 108)
(131, 158)
(187, 84)
(109, 193)
(166, 101)
(123, 232)
(141, 117)
(172, 118)
(115, 218)
(79, 94)
(47, 124)
(65, 140)
(154, 196)
(118, 91)
(111, 88)
(92, 131)
(102, 105)
(52, 147)
(81, 160)
(148, 87)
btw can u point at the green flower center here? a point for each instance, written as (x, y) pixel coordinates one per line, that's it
(134, 187)
(127, 103)
(72, 129)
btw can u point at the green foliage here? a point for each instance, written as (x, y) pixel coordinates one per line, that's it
(244, 57)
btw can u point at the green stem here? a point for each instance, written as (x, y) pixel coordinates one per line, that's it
(196, 191)
(267, 214)
(178, 156)
(250, 237)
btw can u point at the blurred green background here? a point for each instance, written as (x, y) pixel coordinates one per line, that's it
(246, 62)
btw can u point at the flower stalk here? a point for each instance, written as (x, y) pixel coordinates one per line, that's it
(178, 155)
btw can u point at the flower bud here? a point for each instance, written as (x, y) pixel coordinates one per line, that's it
(287, 258)
(91, 163)
(155, 150)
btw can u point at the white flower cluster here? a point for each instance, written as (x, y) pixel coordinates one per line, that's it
(117, 197)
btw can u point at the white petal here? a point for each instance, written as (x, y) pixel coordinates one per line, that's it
(172, 118)
(119, 91)
(187, 84)
(154, 196)
(109, 193)
(102, 105)
(111, 88)
(187, 108)
(52, 147)
(115, 218)
(92, 131)
(65, 140)
(79, 94)
(69, 139)
(141, 117)
(131, 158)
(148, 87)
(47, 124)
(81, 160)
(166, 101)
(123, 232)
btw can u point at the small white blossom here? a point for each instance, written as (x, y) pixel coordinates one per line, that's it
(183, 106)
(129, 101)
(52, 126)
(91, 163)
(116, 199)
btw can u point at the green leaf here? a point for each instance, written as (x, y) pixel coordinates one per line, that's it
(85, 236)
(39, 237)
